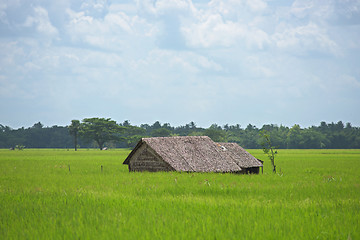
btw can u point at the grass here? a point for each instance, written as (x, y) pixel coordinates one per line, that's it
(315, 195)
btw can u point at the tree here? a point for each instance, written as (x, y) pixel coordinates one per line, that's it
(215, 133)
(294, 137)
(161, 132)
(250, 137)
(192, 125)
(38, 125)
(74, 129)
(156, 125)
(268, 148)
(126, 123)
(131, 135)
(101, 130)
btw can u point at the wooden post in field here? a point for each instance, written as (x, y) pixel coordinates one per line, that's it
(101, 168)
(69, 168)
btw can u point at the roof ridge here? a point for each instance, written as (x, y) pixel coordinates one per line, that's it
(176, 137)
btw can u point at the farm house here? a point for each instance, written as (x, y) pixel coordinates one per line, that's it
(190, 154)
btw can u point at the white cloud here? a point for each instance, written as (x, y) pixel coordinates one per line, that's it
(347, 81)
(257, 5)
(163, 6)
(7, 88)
(305, 38)
(214, 31)
(237, 9)
(12, 56)
(30, 66)
(168, 61)
(4, 6)
(3, 15)
(78, 17)
(41, 21)
(98, 4)
(96, 8)
(129, 8)
(342, 12)
(120, 19)
(114, 32)
(259, 67)
(226, 24)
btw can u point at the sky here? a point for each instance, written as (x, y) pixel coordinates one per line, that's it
(176, 61)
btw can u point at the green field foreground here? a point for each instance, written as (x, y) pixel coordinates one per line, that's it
(63, 194)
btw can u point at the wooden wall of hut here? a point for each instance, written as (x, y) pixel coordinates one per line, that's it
(252, 170)
(147, 160)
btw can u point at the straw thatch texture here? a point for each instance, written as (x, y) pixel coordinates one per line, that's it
(189, 154)
(241, 156)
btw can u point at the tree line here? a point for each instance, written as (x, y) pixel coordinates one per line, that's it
(101, 132)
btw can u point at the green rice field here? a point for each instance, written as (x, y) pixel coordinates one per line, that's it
(89, 194)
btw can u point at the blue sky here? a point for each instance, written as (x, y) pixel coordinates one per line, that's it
(176, 61)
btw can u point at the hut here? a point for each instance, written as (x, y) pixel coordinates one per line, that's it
(190, 154)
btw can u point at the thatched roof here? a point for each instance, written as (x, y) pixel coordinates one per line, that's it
(198, 154)
(241, 156)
